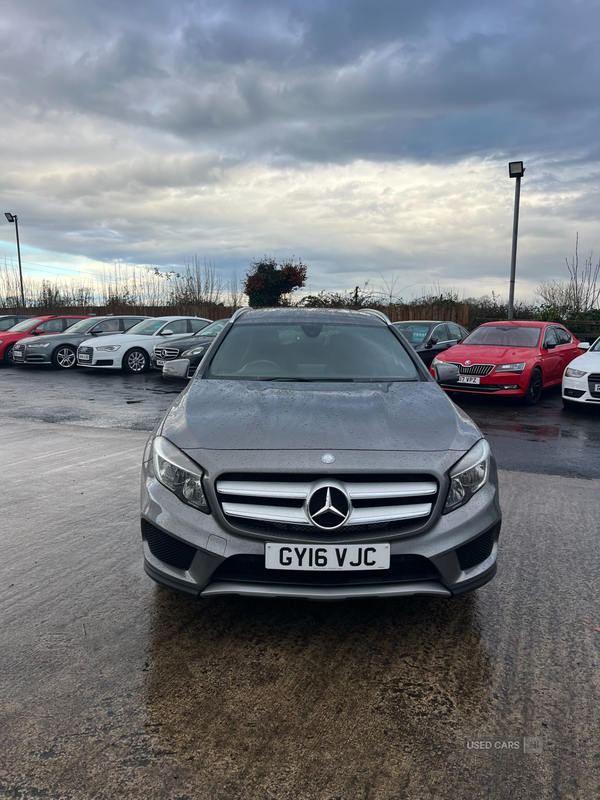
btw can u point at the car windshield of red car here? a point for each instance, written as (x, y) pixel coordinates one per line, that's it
(25, 325)
(504, 336)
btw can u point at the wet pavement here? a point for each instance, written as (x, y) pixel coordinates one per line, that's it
(114, 687)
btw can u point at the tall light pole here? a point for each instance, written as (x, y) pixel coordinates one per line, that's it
(13, 218)
(515, 170)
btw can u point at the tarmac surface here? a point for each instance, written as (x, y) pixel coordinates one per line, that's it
(114, 687)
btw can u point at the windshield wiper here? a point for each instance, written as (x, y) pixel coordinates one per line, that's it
(309, 380)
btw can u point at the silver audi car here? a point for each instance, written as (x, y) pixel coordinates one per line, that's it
(312, 455)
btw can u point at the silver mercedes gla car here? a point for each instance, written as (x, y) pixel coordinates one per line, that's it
(313, 456)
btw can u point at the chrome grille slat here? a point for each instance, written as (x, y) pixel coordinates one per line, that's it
(166, 352)
(473, 369)
(300, 491)
(366, 516)
(295, 516)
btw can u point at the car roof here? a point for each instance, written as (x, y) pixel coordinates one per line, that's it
(521, 323)
(301, 316)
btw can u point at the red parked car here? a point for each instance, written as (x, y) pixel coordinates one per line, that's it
(34, 326)
(518, 359)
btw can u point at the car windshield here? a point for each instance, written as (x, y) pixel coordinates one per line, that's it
(83, 325)
(147, 327)
(596, 346)
(213, 329)
(25, 325)
(504, 336)
(312, 352)
(415, 332)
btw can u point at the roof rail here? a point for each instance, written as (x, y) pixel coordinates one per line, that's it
(374, 311)
(241, 311)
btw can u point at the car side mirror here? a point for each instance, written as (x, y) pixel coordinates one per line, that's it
(176, 370)
(430, 342)
(37, 332)
(167, 332)
(583, 346)
(446, 373)
(550, 345)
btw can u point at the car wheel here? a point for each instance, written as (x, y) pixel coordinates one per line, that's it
(64, 357)
(136, 361)
(8, 354)
(534, 389)
(569, 405)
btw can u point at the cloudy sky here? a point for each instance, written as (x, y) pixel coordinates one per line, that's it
(368, 137)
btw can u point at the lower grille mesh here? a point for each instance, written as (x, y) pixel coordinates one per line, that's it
(251, 569)
(166, 548)
(473, 553)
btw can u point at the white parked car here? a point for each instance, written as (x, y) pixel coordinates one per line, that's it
(581, 379)
(131, 351)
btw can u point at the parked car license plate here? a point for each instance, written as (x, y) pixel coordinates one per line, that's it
(160, 363)
(597, 387)
(83, 357)
(468, 379)
(17, 354)
(327, 557)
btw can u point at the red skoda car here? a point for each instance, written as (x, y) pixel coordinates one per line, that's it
(34, 326)
(517, 359)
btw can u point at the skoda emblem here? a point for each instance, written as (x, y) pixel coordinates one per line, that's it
(467, 362)
(328, 508)
(328, 458)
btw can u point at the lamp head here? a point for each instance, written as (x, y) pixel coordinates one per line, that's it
(9, 217)
(515, 169)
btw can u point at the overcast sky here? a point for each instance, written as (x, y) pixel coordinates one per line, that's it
(368, 137)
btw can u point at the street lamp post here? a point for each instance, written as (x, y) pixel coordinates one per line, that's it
(13, 218)
(515, 170)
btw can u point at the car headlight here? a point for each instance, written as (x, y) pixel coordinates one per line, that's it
(111, 347)
(38, 344)
(518, 367)
(468, 476)
(571, 372)
(179, 473)
(196, 351)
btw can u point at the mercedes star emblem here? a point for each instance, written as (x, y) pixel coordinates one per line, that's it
(328, 508)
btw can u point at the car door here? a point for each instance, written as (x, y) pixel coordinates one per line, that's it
(551, 357)
(567, 347)
(439, 340)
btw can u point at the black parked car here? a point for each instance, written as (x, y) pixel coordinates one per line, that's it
(430, 337)
(192, 348)
(60, 349)
(8, 320)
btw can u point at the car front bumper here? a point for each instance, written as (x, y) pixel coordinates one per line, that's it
(582, 390)
(33, 355)
(188, 550)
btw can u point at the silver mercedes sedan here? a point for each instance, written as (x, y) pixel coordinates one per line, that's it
(313, 456)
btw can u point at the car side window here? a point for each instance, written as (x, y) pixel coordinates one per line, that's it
(454, 331)
(550, 337)
(129, 323)
(5, 324)
(177, 326)
(68, 322)
(564, 337)
(107, 325)
(440, 333)
(197, 324)
(52, 326)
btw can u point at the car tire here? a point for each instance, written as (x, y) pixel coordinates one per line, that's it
(8, 355)
(64, 357)
(534, 389)
(136, 361)
(569, 405)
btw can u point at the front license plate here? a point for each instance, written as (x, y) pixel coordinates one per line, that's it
(327, 557)
(597, 387)
(467, 379)
(83, 357)
(17, 354)
(160, 363)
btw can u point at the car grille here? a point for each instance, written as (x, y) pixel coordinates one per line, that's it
(265, 503)
(166, 548)
(166, 352)
(473, 369)
(83, 349)
(251, 569)
(473, 553)
(593, 381)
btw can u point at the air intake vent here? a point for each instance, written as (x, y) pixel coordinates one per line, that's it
(166, 548)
